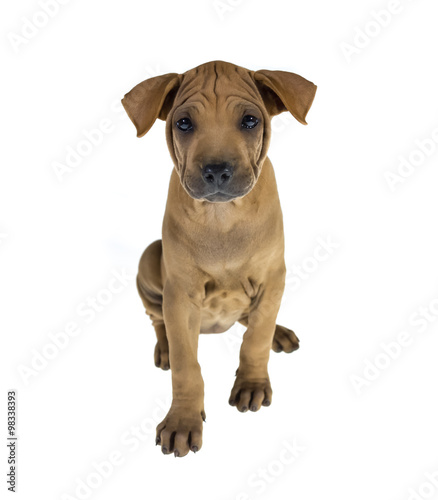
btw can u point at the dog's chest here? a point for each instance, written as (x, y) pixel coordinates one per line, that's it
(225, 302)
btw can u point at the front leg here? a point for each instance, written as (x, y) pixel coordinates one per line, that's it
(181, 430)
(252, 387)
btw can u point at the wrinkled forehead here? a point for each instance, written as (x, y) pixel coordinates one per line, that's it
(217, 84)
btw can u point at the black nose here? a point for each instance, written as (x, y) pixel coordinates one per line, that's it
(217, 174)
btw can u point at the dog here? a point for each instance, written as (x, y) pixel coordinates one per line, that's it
(221, 257)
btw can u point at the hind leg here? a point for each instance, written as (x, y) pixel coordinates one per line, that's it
(150, 289)
(284, 339)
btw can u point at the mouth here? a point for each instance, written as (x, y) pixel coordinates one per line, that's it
(215, 197)
(219, 197)
(201, 192)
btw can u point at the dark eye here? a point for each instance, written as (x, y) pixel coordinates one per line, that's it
(249, 121)
(184, 124)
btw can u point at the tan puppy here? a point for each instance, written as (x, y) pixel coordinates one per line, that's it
(221, 259)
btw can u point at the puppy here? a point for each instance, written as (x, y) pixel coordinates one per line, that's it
(221, 257)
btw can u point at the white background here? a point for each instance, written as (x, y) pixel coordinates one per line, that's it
(61, 240)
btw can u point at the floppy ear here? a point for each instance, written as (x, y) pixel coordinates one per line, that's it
(150, 100)
(283, 91)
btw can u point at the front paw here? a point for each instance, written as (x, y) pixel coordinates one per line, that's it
(181, 430)
(250, 393)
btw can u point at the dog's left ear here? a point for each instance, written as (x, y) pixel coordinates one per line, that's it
(283, 91)
(150, 100)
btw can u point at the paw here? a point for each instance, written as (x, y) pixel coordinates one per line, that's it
(285, 340)
(250, 393)
(180, 431)
(161, 355)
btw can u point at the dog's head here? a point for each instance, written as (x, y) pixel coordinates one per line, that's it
(218, 122)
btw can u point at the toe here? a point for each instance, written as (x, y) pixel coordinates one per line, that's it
(268, 396)
(287, 345)
(167, 438)
(276, 346)
(157, 356)
(234, 396)
(160, 428)
(257, 399)
(181, 445)
(244, 399)
(161, 356)
(195, 441)
(165, 365)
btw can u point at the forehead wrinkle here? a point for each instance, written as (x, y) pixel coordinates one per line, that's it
(241, 89)
(197, 90)
(205, 75)
(243, 101)
(209, 84)
(249, 87)
(192, 107)
(195, 95)
(186, 81)
(243, 81)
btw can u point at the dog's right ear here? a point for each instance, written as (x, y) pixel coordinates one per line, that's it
(150, 100)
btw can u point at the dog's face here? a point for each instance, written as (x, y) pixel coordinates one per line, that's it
(218, 122)
(216, 131)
